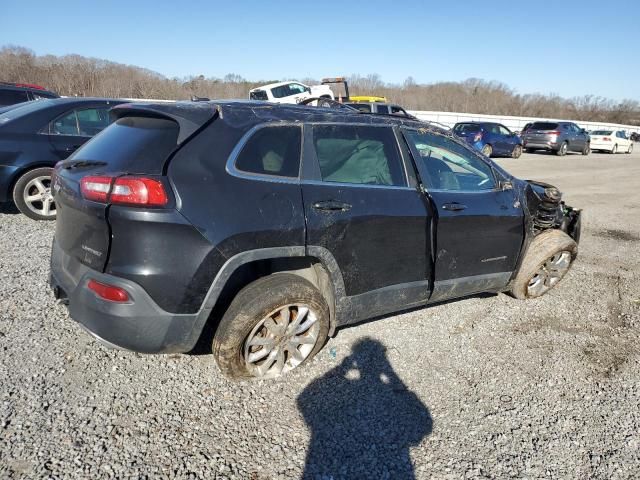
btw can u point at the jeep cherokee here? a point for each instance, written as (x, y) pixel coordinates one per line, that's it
(276, 224)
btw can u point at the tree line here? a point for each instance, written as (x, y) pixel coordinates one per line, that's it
(72, 75)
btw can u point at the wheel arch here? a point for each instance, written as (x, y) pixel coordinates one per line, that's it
(314, 264)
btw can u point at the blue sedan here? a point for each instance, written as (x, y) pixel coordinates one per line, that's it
(492, 139)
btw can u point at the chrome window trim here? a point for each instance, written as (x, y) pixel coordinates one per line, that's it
(233, 170)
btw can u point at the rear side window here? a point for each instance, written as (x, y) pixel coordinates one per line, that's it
(272, 151)
(132, 145)
(383, 109)
(358, 154)
(91, 121)
(11, 97)
(258, 95)
(543, 126)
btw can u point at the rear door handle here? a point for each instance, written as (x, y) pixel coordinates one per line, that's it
(454, 206)
(332, 206)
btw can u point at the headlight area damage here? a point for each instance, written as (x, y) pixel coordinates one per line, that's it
(547, 210)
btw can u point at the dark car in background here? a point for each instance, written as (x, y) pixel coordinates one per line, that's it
(337, 217)
(12, 93)
(558, 137)
(36, 135)
(492, 139)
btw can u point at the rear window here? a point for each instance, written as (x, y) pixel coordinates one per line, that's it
(543, 126)
(602, 132)
(132, 145)
(465, 128)
(258, 95)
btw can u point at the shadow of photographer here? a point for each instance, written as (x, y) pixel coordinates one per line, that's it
(363, 419)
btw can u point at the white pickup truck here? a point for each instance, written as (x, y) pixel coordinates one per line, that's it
(290, 92)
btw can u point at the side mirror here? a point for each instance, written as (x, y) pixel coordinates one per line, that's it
(506, 185)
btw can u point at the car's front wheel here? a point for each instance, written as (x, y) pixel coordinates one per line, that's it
(487, 150)
(630, 149)
(546, 262)
(272, 326)
(32, 194)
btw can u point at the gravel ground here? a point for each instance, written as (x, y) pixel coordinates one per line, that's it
(486, 387)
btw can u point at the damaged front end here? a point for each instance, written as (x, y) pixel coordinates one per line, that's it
(548, 210)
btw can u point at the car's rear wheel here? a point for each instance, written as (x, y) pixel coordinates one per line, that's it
(272, 326)
(630, 149)
(586, 150)
(487, 150)
(32, 194)
(517, 151)
(546, 262)
(614, 150)
(562, 151)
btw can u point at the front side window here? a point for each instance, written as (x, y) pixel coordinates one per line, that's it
(504, 130)
(272, 151)
(296, 89)
(65, 125)
(449, 165)
(358, 155)
(467, 128)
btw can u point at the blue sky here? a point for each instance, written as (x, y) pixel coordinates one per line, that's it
(532, 46)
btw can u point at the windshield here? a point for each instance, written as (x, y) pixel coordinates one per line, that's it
(25, 109)
(602, 132)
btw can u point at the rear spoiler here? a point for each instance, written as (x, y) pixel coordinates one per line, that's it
(190, 116)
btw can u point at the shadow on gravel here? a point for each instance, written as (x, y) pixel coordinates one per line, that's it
(363, 419)
(9, 208)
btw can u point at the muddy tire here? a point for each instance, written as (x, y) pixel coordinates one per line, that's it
(273, 325)
(546, 262)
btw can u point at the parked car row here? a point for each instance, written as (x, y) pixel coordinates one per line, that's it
(12, 93)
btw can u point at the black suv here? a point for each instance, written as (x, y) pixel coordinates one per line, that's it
(279, 223)
(12, 93)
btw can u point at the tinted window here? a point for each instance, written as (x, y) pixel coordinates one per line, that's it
(92, 120)
(355, 154)
(451, 166)
(464, 128)
(602, 132)
(133, 144)
(281, 91)
(383, 109)
(272, 151)
(543, 126)
(258, 95)
(10, 97)
(65, 125)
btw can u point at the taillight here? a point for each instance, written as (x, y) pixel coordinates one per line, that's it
(553, 133)
(108, 292)
(139, 191)
(128, 190)
(96, 188)
(606, 139)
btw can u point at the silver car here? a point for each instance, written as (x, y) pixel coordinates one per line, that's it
(558, 137)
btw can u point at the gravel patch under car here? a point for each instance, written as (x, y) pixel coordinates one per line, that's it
(485, 387)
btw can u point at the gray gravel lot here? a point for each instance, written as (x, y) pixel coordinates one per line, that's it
(486, 387)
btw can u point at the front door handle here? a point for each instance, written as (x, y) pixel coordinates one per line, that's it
(332, 206)
(454, 206)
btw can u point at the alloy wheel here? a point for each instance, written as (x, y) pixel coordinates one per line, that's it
(549, 274)
(38, 198)
(281, 340)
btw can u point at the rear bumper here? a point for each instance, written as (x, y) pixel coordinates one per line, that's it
(601, 145)
(139, 325)
(540, 145)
